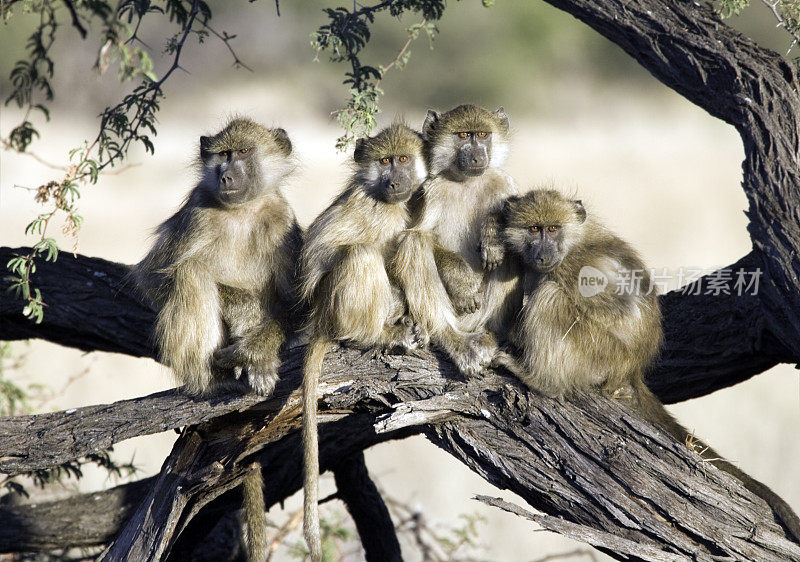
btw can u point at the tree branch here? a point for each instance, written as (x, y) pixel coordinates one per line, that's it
(76, 21)
(370, 514)
(589, 461)
(711, 341)
(687, 47)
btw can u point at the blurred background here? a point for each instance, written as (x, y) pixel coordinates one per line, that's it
(585, 117)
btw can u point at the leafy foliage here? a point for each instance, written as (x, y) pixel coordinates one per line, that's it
(131, 121)
(343, 38)
(70, 469)
(14, 399)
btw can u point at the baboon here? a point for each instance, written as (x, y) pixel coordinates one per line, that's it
(222, 269)
(576, 334)
(449, 262)
(345, 282)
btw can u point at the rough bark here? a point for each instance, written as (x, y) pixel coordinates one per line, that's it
(616, 481)
(711, 341)
(588, 461)
(91, 306)
(368, 510)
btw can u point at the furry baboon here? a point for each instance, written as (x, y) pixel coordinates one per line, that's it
(222, 269)
(447, 262)
(351, 295)
(591, 319)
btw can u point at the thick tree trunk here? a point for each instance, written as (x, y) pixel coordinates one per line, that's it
(687, 47)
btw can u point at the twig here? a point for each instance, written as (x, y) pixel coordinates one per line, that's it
(280, 535)
(401, 53)
(773, 6)
(7, 146)
(76, 23)
(226, 39)
(568, 554)
(153, 89)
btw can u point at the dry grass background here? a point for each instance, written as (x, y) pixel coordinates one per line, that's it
(659, 171)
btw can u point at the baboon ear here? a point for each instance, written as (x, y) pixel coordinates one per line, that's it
(580, 211)
(502, 117)
(282, 140)
(510, 204)
(360, 152)
(431, 120)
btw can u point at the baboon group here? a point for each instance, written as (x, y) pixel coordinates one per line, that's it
(429, 243)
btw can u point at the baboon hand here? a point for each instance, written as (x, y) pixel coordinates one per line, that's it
(491, 255)
(416, 336)
(477, 354)
(263, 376)
(466, 303)
(228, 357)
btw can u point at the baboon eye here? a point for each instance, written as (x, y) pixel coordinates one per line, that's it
(403, 159)
(463, 135)
(552, 228)
(385, 160)
(482, 135)
(535, 229)
(244, 151)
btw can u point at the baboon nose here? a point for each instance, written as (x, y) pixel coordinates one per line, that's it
(226, 181)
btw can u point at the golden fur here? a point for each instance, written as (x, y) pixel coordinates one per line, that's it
(345, 282)
(225, 274)
(572, 340)
(439, 261)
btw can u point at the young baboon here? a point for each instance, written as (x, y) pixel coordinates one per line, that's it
(222, 269)
(450, 262)
(351, 295)
(591, 319)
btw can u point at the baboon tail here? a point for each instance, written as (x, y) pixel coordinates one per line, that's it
(653, 410)
(312, 369)
(255, 513)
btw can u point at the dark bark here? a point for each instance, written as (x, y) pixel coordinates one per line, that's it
(367, 508)
(82, 520)
(588, 461)
(711, 341)
(91, 305)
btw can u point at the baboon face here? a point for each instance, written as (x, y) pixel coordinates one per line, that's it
(390, 165)
(542, 227)
(232, 172)
(545, 248)
(472, 151)
(397, 178)
(243, 160)
(466, 140)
